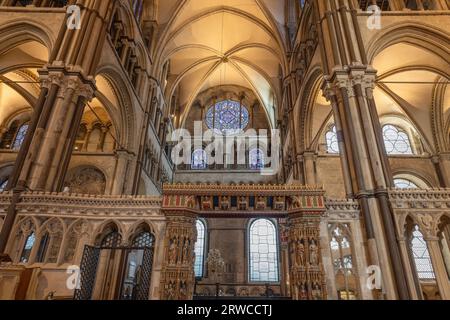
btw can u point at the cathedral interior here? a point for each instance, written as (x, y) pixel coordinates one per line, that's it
(118, 180)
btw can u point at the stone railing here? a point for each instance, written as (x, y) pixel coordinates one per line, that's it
(426, 207)
(342, 209)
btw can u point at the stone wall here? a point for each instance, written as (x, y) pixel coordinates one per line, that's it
(86, 217)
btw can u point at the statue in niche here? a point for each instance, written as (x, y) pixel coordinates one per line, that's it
(300, 253)
(242, 203)
(180, 246)
(186, 251)
(279, 203)
(261, 203)
(224, 204)
(87, 180)
(183, 290)
(293, 249)
(170, 290)
(316, 291)
(206, 203)
(303, 292)
(313, 253)
(173, 251)
(295, 203)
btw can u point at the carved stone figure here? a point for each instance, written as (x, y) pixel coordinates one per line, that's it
(279, 203)
(183, 291)
(300, 253)
(224, 204)
(292, 251)
(206, 203)
(173, 252)
(242, 203)
(303, 292)
(316, 292)
(170, 290)
(216, 265)
(313, 253)
(261, 203)
(186, 251)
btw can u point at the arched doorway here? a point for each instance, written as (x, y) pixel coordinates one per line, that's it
(113, 271)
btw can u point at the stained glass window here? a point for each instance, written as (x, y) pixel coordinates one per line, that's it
(263, 252)
(199, 249)
(43, 246)
(341, 251)
(396, 140)
(405, 184)
(137, 8)
(29, 243)
(256, 159)
(199, 160)
(227, 117)
(20, 136)
(332, 141)
(421, 255)
(3, 185)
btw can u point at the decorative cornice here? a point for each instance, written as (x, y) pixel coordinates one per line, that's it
(438, 199)
(66, 204)
(342, 209)
(241, 190)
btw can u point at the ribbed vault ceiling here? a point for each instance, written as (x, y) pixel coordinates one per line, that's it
(222, 42)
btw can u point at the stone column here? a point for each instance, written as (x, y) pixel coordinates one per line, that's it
(442, 163)
(67, 82)
(291, 125)
(88, 136)
(307, 276)
(349, 83)
(309, 158)
(178, 279)
(120, 177)
(440, 270)
(140, 159)
(53, 141)
(284, 257)
(413, 285)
